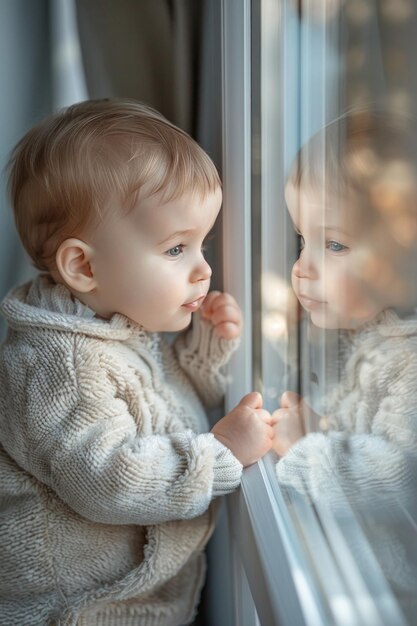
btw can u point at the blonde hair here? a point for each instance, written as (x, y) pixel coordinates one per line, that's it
(63, 171)
(349, 157)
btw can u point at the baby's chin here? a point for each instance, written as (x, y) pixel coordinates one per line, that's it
(337, 322)
(163, 327)
(177, 326)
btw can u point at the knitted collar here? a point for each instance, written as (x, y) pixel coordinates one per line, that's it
(42, 303)
(388, 323)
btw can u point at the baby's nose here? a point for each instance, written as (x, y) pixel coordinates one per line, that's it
(202, 271)
(305, 267)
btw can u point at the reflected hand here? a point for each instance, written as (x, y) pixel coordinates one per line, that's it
(222, 310)
(289, 421)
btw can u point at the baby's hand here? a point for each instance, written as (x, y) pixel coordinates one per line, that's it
(222, 310)
(247, 430)
(289, 421)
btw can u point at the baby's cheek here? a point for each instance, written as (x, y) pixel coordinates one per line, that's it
(295, 270)
(294, 278)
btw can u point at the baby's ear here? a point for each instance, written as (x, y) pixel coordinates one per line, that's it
(73, 260)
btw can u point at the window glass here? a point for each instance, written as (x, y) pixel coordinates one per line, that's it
(334, 240)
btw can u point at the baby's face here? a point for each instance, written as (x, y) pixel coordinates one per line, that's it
(331, 276)
(149, 264)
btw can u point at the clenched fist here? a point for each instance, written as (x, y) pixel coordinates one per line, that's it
(222, 310)
(247, 430)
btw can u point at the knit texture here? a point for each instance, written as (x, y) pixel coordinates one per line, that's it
(369, 456)
(106, 469)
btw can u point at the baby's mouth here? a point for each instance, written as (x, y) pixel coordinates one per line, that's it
(194, 304)
(310, 303)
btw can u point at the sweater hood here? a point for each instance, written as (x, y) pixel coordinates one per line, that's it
(42, 303)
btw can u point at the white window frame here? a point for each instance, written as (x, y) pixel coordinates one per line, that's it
(265, 550)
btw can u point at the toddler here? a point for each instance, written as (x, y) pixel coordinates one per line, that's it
(356, 213)
(107, 471)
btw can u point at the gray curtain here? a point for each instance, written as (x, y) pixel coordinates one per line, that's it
(40, 70)
(144, 50)
(26, 89)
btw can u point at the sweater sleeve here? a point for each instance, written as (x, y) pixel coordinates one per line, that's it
(82, 441)
(362, 469)
(203, 355)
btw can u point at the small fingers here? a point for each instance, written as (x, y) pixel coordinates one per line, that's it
(223, 298)
(216, 299)
(270, 432)
(227, 320)
(206, 307)
(279, 415)
(289, 399)
(275, 417)
(264, 415)
(252, 400)
(226, 313)
(284, 419)
(227, 330)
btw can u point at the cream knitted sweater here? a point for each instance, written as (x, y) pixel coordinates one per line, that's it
(106, 469)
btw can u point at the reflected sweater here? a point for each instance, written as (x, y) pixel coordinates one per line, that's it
(106, 471)
(369, 455)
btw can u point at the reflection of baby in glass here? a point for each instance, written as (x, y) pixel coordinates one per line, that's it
(107, 472)
(352, 196)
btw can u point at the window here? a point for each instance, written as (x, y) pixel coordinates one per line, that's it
(325, 535)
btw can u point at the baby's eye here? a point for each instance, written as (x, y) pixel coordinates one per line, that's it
(176, 250)
(335, 246)
(301, 242)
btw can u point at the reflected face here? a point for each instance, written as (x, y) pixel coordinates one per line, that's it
(329, 277)
(149, 264)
